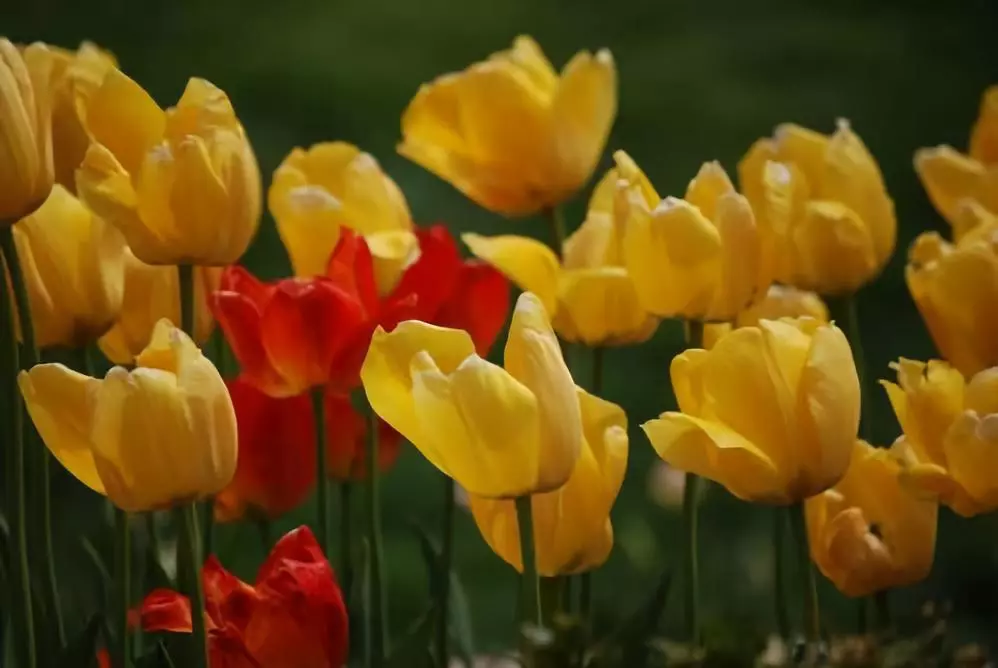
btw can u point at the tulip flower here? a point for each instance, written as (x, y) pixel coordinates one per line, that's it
(333, 185)
(152, 293)
(824, 201)
(950, 432)
(702, 257)
(182, 185)
(955, 287)
(74, 269)
(26, 171)
(954, 180)
(572, 523)
(293, 616)
(770, 412)
(76, 75)
(781, 301)
(869, 533)
(162, 434)
(499, 432)
(347, 440)
(593, 300)
(510, 132)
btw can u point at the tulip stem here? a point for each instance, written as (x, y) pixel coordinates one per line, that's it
(585, 595)
(556, 216)
(812, 622)
(22, 617)
(844, 311)
(691, 502)
(531, 583)
(379, 628)
(185, 274)
(209, 526)
(189, 550)
(321, 483)
(123, 574)
(446, 557)
(883, 604)
(779, 573)
(346, 538)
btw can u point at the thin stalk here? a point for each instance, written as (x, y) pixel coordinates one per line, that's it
(123, 575)
(185, 276)
(208, 541)
(586, 595)
(321, 481)
(883, 604)
(346, 538)
(556, 218)
(779, 573)
(843, 310)
(189, 551)
(379, 627)
(552, 590)
(531, 584)
(568, 596)
(22, 616)
(150, 519)
(812, 621)
(446, 557)
(691, 501)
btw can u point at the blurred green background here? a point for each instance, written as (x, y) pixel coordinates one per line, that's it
(698, 81)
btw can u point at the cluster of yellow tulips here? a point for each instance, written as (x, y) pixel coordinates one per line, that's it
(119, 223)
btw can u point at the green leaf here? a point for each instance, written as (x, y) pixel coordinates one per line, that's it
(81, 651)
(412, 648)
(157, 658)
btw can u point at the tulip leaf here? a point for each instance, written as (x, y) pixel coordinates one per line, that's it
(81, 651)
(412, 648)
(157, 658)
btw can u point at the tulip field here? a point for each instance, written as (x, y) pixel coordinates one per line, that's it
(373, 335)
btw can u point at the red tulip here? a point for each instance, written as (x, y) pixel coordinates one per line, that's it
(293, 617)
(347, 441)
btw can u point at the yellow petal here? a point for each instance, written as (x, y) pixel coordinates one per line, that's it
(600, 307)
(836, 253)
(528, 56)
(950, 177)
(61, 404)
(745, 270)
(527, 262)
(982, 392)
(687, 375)
(533, 356)
(629, 172)
(984, 136)
(783, 301)
(593, 244)
(803, 147)
(713, 451)
(971, 447)
(122, 117)
(707, 187)
(604, 425)
(199, 205)
(391, 253)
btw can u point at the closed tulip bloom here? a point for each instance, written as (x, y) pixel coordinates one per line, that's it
(955, 287)
(510, 132)
(152, 293)
(572, 523)
(74, 269)
(770, 412)
(593, 302)
(182, 185)
(953, 179)
(950, 433)
(26, 171)
(869, 533)
(333, 185)
(160, 435)
(702, 257)
(824, 201)
(499, 432)
(781, 301)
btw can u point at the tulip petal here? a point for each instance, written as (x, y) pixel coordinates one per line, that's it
(713, 451)
(984, 136)
(429, 280)
(479, 304)
(527, 262)
(240, 320)
(165, 610)
(971, 447)
(593, 244)
(950, 178)
(600, 306)
(806, 148)
(835, 247)
(745, 272)
(605, 427)
(707, 187)
(200, 204)
(61, 404)
(122, 117)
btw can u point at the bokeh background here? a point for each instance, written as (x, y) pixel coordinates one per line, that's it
(699, 80)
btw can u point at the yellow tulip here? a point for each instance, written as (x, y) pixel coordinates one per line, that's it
(182, 185)
(702, 257)
(25, 130)
(771, 412)
(950, 442)
(571, 524)
(781, 301)
(955, 287)
(74, 270)
(160, 435)
(824, 201)
(335, 184)
(510, 132)
(953, 179)
(593, 302)
(76, 76)
(152, 293)
(499, 432)
(869, 533)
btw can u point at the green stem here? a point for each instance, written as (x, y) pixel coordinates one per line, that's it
(691, 502)
(321, 481)
(556, 217)
(123, 575)
(861, 615)
(209, 526)
(379, 628)
(883, 604)
(150, 520)
(552, 590)
(844, 312)
(446, 557)
(22, 617)
(586, 595)
(185, 275)
(779, 573)
(189, 551)
(531, 584)
(346, 539)
(812, 622)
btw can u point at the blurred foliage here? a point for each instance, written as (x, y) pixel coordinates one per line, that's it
(698, 81)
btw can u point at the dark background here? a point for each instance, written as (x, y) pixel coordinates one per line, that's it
(698, 81)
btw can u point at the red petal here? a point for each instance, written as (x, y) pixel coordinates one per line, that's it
(351, 267)
(228, 600)
(239, 318)
(346, 443)
(276, 467)
(238, 279)
(166, 610)
(431, 278)
(478, 305)
(103, 658)
(298, 545)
